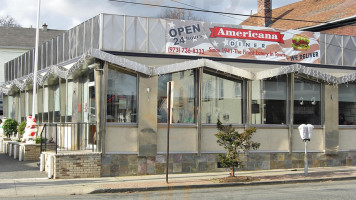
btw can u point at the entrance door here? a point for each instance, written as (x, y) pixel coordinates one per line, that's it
(91, 117)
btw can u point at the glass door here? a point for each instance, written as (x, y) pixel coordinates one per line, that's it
(89, 108)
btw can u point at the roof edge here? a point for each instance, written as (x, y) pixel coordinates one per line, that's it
(335, 22)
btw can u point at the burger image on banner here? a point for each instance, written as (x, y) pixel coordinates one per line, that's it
(300, 42)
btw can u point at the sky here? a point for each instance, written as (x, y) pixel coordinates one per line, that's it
(65, 14)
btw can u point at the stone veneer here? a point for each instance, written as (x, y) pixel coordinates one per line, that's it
(31, 152)
(122, 165)
(73, 164)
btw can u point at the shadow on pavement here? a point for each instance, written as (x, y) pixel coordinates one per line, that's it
(11, 168)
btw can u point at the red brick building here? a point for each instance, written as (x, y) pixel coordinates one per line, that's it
(326, 16)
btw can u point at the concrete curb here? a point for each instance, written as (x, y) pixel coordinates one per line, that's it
(215, 185)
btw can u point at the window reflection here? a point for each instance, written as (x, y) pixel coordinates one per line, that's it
(221, 99)
(269, 101)
(183, 97)
(69, 108)
(45, 104)
(57, 107)
(307, 101)
(347, 104)
(121, 97)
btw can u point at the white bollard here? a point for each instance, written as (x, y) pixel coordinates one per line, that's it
(20, 153)
(15, 151)
(50, 167)
(42, 162)
(10, 150)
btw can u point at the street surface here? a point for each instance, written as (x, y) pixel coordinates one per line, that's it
(340, 190)
(14, 169)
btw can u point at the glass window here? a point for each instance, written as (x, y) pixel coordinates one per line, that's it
(63, 99)
(45, 103)
(11, 110)
(221, 99)
(307, 106)
(183, 97)
(121, 97)
(69, 104)
(27, 104)
(269, 101)
(347, 104)
(57, 106)
(39, 103)
(23, 106)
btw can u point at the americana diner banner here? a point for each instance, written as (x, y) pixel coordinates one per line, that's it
(243, 42)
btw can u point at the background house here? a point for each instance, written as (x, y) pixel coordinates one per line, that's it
(15, 41)
(326, 16)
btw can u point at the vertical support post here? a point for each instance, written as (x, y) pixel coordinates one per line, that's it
(198, 105)
(291, 113)
(100, 104)
(56, 139)
(168, 126)
(306, 158)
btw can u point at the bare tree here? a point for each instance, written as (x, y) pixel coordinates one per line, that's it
(174, 13)
(8, 21)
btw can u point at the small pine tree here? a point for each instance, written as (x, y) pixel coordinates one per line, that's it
(22, 127)
(234, 142)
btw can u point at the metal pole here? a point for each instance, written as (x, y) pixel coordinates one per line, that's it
(306, 159)
(168, 123)
(34, 96)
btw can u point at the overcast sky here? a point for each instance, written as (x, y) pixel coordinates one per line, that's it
(65, 14)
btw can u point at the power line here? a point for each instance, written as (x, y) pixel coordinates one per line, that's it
(219, 12)
(201, 8)
(257, 24)
(226, 14)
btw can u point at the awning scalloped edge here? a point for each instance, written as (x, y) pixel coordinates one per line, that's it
(65, 73)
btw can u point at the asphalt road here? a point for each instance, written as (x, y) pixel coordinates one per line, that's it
(339, 190)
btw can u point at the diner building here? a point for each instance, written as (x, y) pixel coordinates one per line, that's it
(110, 73)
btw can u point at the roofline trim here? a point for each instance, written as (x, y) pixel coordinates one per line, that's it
(328, 23)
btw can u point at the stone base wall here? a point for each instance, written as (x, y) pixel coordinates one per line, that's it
(31, 152)
(74, 165)
(123, 165)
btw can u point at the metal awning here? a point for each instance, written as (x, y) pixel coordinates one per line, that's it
(65, 70)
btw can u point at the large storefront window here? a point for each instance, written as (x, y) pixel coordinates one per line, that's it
(69, 108)
(39, 99)
(45, 104)
(11, 109)
(57, 106)
(269, 101)
(183, 97)
(221, 99)
(347, 104)
(121, 97)
(307, 108)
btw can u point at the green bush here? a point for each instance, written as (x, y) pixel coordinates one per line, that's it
(10, 126)
(234, 142)
(38, 140)
(22, 128)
